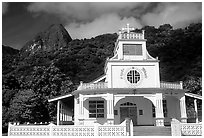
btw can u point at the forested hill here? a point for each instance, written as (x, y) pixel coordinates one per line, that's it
(52, 64)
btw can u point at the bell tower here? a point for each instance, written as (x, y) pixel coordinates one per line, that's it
(131, 45)
(132, 66)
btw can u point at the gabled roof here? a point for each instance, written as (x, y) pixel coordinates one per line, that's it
(60, 97)
(99, 79)
(196, 96)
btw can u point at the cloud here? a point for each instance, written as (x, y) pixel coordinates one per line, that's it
(176, 14)
(4, 7)
(90, 19)
(87, 11)
(108, 23)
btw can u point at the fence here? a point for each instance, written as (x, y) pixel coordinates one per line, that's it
(123, 129)
(185, 129)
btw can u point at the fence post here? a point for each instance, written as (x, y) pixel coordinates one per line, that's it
(127, 122)
(96, 129)
(175, 127)
(9, 129)
(51, 128)
(131, 128)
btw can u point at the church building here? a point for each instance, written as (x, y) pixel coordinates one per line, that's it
(130, 87)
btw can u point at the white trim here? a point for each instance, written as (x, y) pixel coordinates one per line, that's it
(59, 98)
(95, 96)
(194, 95)
(99, 79)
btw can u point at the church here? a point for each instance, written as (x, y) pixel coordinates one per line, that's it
(130, 88)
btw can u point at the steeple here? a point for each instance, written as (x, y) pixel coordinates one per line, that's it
(131, 45)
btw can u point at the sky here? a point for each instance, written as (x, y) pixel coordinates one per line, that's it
(22, 21)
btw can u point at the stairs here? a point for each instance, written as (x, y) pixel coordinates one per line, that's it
(151, 131)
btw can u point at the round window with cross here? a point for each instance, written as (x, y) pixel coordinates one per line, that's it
(133, 76)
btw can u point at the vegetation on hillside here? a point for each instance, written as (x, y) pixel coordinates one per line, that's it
(28, 81)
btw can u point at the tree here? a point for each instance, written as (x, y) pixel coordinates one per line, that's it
(193, 84)
(28, 107)
(48, 82)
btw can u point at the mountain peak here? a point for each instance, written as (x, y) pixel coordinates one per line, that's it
(53, 38)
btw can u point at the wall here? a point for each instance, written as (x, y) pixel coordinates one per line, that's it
(149, 71)
(173, 109)
(87, 120)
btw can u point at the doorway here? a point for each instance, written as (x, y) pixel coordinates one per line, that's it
(128, 110)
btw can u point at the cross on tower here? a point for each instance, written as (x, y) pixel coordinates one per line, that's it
(128, 28)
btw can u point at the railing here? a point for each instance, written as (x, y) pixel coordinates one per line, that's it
(99, 85)
(70, 130)
(171, 85)
(185, 129)
(102, 85)
(131, 36)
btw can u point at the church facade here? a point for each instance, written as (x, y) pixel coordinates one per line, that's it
(130, 87)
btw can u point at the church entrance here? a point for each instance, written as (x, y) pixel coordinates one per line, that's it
(128, 110)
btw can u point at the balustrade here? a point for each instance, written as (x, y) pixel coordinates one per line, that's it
(171, 85)
(102, 85)
(99, 85)
(131, 36)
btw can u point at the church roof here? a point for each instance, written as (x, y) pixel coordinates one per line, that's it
(196, 96)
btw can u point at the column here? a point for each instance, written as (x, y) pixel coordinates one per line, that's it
(81, 109)
(110, 109)
(58, 111)
(183, 109)
(61, 113)
(196, 109)
(66, 116)
(159, 110)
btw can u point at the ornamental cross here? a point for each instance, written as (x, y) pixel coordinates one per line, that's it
(128, 29)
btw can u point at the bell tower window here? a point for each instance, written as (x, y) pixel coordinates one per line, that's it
(132, 49)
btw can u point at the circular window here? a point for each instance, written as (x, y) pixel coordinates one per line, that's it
(133, 76)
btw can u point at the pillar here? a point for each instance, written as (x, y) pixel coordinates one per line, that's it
(196, 109)
(159, 110)
(66, 116)
(58, 111)
(110, 109)
(81, 109)
(183, 109)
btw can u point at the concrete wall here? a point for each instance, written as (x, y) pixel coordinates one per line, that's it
(173, 109)
(92, 120)
(117, 74)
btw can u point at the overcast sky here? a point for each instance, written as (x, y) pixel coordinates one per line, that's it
(21, 21)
